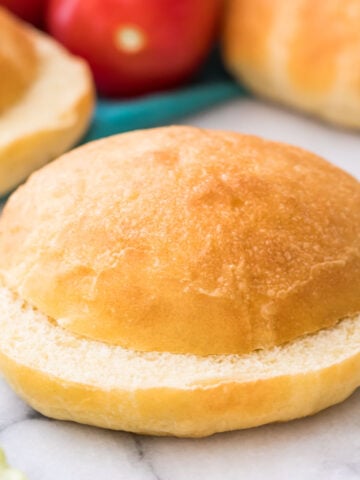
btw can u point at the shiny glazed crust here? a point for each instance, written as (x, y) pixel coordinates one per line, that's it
(186, 240)
(302, 53)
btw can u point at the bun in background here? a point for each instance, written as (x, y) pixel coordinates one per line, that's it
(301, 53)
(46, 100)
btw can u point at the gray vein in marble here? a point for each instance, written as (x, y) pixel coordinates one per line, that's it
(12, 409)
(145, 458)
(30, 415)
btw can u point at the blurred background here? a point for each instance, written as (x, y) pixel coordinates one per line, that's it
(157, 62)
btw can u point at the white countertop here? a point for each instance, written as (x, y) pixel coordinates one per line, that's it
(323, 447)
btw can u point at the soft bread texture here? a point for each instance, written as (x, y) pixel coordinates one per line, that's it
(186, 241)
(46, 100)
(72, 378)
(300, 52)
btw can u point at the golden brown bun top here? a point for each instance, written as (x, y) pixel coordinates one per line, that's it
(301, 52)
(317, 38)
(18, 60)
(186, 240)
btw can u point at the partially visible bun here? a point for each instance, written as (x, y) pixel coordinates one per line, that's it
(46, 100)
(186, 241)
(302, 53)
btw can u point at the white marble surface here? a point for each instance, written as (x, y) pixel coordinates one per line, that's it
(323, 447)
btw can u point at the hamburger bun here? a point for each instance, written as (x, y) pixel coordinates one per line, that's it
(301, 53)
(46, 100)
(179, 281)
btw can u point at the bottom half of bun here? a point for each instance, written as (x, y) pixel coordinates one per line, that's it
(73, 378)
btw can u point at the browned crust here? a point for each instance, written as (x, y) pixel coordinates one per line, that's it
(186, 240)
(302, 53)
(33, 145)
(246, 27)
(18, 59)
